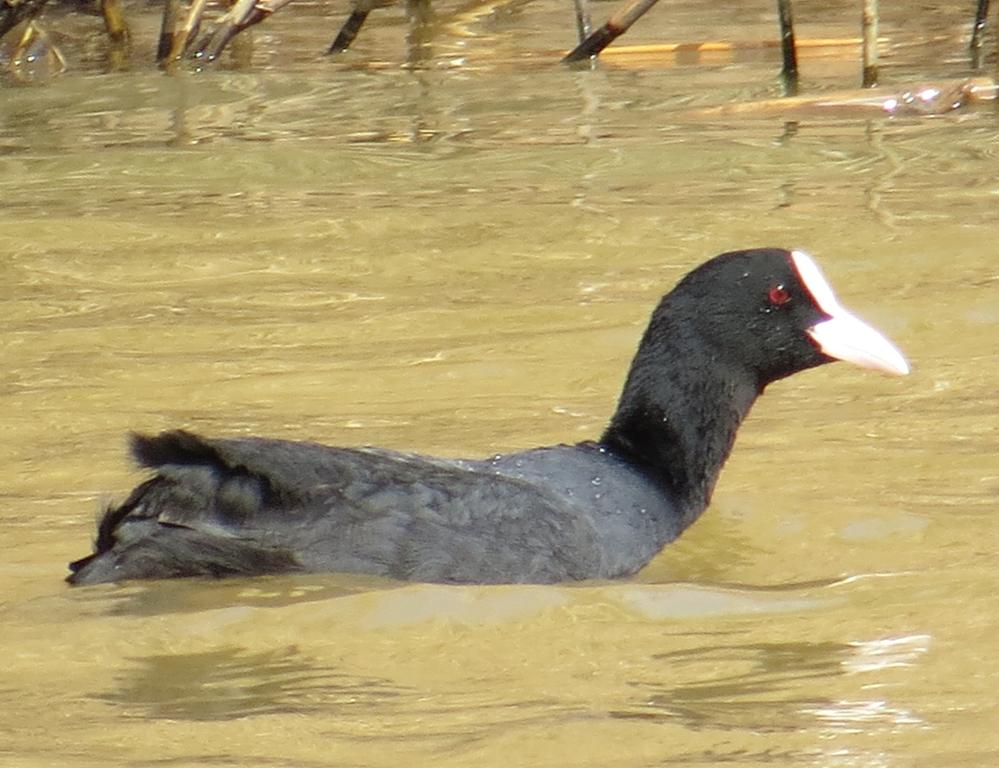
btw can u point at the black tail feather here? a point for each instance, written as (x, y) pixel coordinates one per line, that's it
(110, 520)
(180, 448)
(193, 476)
(174, 447)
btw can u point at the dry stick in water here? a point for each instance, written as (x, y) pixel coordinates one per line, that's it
(13, 13)
(616, 26)
(118, 34)
(977, 31)
(348, 31)
(217, 35)
(619, 23)
(188, 30)
(168, 29)
(242, 15)
(354, 23)
(114, 21)
(870, 35)
(583, 24)
(789, 52)
(934, 99)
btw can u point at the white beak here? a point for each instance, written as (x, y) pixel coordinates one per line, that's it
(844, 336)
(847, 337)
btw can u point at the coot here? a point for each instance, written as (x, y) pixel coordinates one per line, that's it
(595, 510)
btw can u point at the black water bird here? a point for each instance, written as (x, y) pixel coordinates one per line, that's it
(603, 509)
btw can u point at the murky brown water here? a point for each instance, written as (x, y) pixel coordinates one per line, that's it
(459, 260)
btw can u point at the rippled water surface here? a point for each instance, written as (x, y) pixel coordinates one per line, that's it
(458, 258)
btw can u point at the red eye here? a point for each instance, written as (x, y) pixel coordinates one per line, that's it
(778, 295)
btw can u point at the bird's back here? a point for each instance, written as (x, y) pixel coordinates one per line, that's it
(248, 506)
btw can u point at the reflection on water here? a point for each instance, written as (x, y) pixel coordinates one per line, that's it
(230, 683)
(458, 260)
(740, 687)
(858, 716)
(883, 653)
(190, 596)
(758, 687)
(685, 601)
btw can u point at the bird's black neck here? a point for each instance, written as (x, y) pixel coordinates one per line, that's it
(679, 412)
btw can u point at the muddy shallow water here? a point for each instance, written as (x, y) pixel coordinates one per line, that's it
(459, 259)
